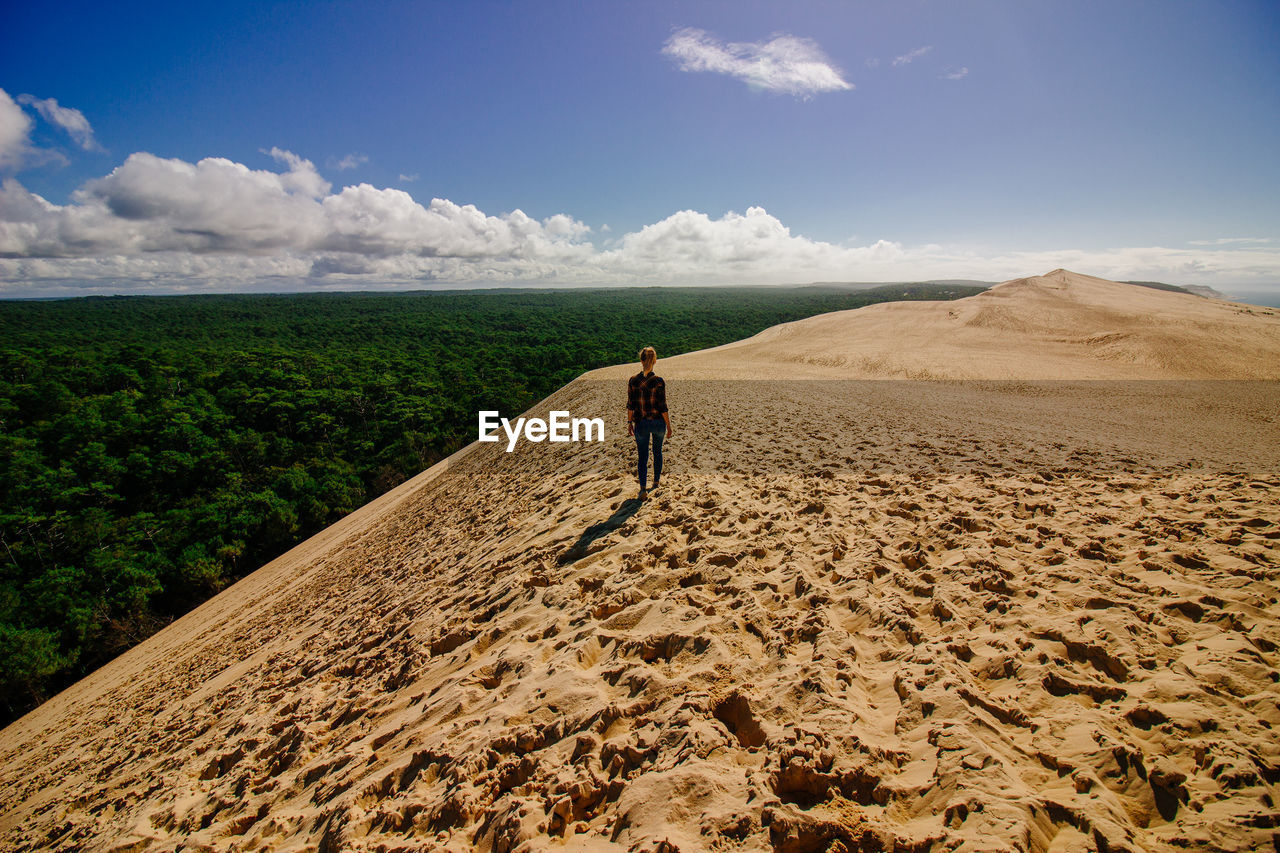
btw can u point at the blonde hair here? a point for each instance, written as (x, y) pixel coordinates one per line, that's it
(648, 356)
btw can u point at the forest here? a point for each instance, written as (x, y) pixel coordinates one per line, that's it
(154, 450)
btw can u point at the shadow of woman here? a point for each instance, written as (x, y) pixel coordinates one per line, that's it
(579, 549)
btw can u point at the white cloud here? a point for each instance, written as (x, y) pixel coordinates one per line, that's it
(15, 133)
(958, 74)
(873, 62)
(351, 161)
(167, 224)
(72, 121)
(912, 55)
(151, 208)
(752, 246)
(302, 176)
(1227, 241)
(785, 63)
(408, 179)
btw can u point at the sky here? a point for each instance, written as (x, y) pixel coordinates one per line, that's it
(213, 147)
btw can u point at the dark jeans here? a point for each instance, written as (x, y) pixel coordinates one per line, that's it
(656, 428)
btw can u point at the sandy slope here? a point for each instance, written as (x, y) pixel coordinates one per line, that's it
(861, 615)
(1057, 326)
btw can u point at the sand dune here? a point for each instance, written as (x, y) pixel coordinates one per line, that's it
(1031, 611)
(1058, 326)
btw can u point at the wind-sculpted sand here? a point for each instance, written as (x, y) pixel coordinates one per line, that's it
(1057, 326)
(858, 615)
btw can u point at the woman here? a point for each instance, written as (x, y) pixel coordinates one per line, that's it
(647, 414)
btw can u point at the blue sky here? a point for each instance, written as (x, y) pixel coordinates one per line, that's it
(644, 142)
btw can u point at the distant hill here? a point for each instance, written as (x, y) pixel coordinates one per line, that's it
(1061, 325)
(1204, 290)
(1197, 289)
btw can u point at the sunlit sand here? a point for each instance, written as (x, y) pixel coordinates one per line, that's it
(995, 574)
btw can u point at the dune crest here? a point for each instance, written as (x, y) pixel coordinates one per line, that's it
(1033, 612)
(1061, 325)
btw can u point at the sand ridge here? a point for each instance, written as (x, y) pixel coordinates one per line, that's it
(859, 615)
(1061, 325)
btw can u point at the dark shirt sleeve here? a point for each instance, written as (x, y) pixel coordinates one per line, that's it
(633, 394)
(660, 397)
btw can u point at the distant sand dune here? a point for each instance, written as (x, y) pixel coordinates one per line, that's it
(1057, 326)
(1034, 611)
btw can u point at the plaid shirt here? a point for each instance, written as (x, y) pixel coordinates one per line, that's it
(646, 396)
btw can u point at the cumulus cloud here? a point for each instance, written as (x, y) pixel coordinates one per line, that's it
(751, 246)
(156, 209)
(958, 74)
(912, 55)
(785, 64)
(167, 224)
(302, 176)
(67, 119)
(15, 133)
